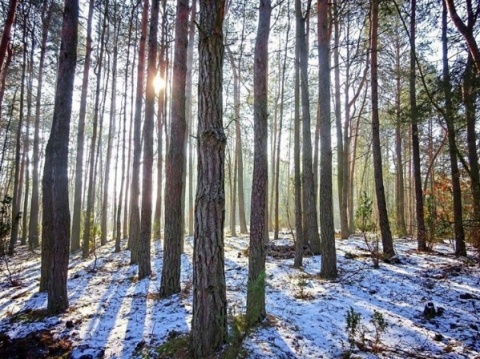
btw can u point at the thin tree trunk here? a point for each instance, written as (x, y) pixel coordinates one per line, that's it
(470, 94)
(189, 110)
(460, 248)
(34, 206)
(111, 133)
(400, 187)
(77, 204)
(17, 187)
(419, 210)
(134, 228)
(162, 72)
(387, 241)
(88, 234)
(56, 212)
(282, 98)
(27, 143)
(338, 121)
(299, 237)
(310, 221)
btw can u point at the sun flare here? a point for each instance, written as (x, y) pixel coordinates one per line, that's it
(158, 83)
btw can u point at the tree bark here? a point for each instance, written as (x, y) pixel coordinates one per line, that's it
(77, 203)
(134, 228)
(175, 165)
(387, 241)
(209, 322)
(17, 187)
(400, 183)
(111, 134)
(329, 256)
(56, 212)
(258, 220)
(189, 109)
(299, 238)
(419, 210)
(144, 263)
(34, 205)
(310, 221)
(470, 94)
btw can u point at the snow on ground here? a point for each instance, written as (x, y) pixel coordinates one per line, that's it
(112, 313)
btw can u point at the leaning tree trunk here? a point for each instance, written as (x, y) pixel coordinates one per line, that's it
(56, 212)
(387, 240)
(209, 322)
(174, 179)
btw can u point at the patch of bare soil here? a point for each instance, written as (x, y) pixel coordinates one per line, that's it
(40, 344)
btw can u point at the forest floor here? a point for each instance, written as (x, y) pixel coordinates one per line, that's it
(112, 314)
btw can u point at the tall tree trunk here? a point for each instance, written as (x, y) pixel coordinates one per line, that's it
(310, 221)
(299, 237)
(470, 93)
(34, 206)
(17, 187)
(282, 98)
(209, 322)
(419, 210)
(26, 144)
(134, 228)
(238, 137)
(174, 180)
(399, 180)
(258, 220)
(189, 110)
(56, 212)
(144, 263)
(88, 234)
(77, 202)
(460, 249)
(162, 72)
(387, 241)
(338, 122)
(121, 205)
(111, 134)
(329, 256)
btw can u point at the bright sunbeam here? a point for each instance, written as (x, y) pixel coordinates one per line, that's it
(158, 83)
